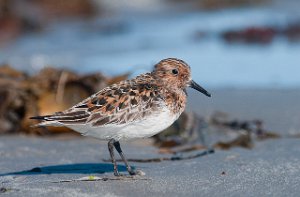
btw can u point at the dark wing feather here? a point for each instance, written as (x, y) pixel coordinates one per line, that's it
(121, 103)
(126, 104)
(74, 117)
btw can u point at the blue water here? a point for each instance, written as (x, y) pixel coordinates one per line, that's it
(134, 43)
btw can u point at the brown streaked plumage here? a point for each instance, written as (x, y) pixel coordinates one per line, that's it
(136, 108)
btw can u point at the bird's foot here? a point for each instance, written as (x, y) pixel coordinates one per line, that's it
(132, 172)
(117, 173)
(137, 173)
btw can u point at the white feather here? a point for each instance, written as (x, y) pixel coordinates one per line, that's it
(147, 127)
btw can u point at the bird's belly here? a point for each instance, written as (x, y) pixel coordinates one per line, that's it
(139, 129)
(148, 127)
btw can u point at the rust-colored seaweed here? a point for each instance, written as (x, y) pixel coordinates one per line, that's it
(50, 90)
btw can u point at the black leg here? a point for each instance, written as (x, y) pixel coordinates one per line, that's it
(118, 148)
(112, 156)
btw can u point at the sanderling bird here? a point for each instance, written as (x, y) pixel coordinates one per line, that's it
(131, 109)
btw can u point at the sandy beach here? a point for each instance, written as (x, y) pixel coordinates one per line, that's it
(33, 166)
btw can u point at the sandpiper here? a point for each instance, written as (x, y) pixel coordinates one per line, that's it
(131, 109)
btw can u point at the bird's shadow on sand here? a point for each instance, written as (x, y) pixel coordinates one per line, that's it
(81, 168)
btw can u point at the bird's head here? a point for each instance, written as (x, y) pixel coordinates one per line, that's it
(175, 73)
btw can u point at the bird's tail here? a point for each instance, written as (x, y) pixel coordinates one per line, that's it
(39, 117)
(47, 121)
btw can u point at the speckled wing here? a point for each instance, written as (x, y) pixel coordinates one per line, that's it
(128, 101)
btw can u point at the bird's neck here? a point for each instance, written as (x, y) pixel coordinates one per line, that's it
(175, 100)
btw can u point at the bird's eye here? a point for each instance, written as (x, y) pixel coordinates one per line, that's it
(175, 71)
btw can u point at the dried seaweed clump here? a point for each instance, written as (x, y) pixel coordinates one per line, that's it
(50, 90)
(192, 132)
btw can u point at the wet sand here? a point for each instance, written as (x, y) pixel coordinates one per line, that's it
(271, 168)
(279, 109)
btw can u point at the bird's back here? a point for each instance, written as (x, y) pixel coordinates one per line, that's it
(118, 104)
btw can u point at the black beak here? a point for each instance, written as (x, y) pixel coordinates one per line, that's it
(197, 87)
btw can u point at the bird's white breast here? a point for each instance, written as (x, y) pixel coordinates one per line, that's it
(147, 127)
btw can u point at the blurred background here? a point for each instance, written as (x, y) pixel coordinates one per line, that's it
(246, 52)
(228, 43)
